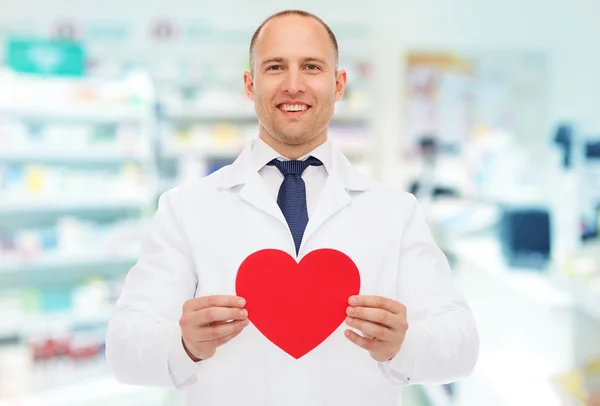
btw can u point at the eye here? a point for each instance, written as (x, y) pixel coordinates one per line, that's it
(274, 67)
(312, 67)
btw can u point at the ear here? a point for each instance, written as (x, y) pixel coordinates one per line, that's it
(249, 85)
(340, 84)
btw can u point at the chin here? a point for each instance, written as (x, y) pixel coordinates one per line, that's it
(288, 138)
(298, 139)
(293, 140)
(282, 134)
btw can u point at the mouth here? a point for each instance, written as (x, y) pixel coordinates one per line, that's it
(293, 109)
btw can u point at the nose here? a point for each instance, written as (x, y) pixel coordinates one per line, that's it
(293, 82)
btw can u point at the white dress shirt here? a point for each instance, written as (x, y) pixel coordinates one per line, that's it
(314, 176)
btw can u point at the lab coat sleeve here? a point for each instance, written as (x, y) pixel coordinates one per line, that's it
(143, 341)
(442, 341)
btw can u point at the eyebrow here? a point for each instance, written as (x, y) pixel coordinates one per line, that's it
(271, 60)
(315, 59)
(304, 60)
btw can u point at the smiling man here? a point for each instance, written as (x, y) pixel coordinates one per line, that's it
(294, 82)
(179, 322)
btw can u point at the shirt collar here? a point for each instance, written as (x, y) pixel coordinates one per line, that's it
(244, 169)
(263, 153)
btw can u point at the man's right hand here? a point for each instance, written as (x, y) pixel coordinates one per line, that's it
(209, 322)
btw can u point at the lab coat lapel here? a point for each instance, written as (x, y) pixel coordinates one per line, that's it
(256, 193)
(253, 190)
(342, 180)
(334, 197)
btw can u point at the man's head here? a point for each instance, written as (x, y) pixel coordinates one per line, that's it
(294, 81)
(298, 13)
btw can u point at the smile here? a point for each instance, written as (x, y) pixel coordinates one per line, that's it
(293, 110)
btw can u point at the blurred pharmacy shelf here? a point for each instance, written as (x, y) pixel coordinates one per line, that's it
(91, 149)
(75, 113)
(47, 277)
(44, 153)
(484, 253)
(25, 324)
(551, 288)
(64, 262)
(77, 179)
(583, 286)
(67, 204)
(101, 391)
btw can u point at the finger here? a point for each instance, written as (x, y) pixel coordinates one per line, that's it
(218, 314)
(379, 316)
(223, 340)
(213, 301)
(368, 344)
(374, 330)
(378, 302)
(218, 323)
(205, 317)
(212, 333)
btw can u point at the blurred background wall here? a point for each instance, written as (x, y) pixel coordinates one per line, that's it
(486, 110)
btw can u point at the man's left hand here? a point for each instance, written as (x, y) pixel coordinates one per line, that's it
(383, 323)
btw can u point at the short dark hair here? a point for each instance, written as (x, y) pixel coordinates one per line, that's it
(300, 13)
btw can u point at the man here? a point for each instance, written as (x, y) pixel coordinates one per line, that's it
(179, 322)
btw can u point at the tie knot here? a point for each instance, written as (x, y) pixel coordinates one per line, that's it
(294, 167)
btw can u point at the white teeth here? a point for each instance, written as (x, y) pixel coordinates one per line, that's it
(293, 107)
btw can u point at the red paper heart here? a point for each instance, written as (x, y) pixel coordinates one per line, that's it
(297, 305)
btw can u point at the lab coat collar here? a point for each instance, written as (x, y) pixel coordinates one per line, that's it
(244, 169)
(263, 153)
(334, 196)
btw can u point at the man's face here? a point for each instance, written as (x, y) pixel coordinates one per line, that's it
(294, 84)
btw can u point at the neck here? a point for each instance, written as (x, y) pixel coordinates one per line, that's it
(293, 152)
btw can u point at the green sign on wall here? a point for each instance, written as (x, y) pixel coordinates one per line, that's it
(45, 57)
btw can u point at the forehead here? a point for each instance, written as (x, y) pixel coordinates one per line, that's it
(293, 37)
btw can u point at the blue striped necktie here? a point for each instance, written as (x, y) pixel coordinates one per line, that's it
(292, 195)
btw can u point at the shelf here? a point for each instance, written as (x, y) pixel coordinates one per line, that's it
(62, 261)
(207, 149)
(92, 154)
(584, 297)
(95, 392)
(350, 117)
(44, 205)
(233, 114)
(26, 323)
(64, 273)
(98, 114)
(354, 148)
(549, 289)
(538, 287)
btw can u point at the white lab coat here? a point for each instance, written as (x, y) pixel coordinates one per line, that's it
(205, 228)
